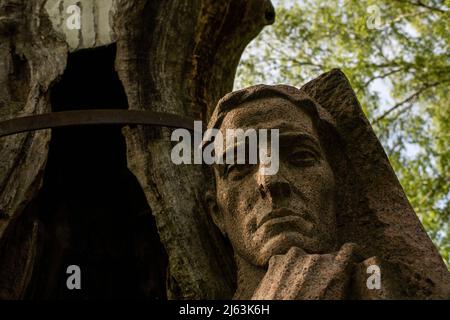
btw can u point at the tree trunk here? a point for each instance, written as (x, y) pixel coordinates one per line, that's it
(172, 56)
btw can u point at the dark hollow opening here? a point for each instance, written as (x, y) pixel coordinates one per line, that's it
(92, 210)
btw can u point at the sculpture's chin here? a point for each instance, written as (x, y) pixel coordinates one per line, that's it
(280, 245)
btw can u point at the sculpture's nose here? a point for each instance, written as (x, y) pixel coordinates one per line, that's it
(275, 185)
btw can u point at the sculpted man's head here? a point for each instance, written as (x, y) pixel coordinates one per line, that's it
(266, 215)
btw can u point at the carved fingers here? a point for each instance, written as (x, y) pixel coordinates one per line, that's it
(299, 276)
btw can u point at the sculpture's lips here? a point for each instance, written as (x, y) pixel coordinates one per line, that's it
(278, 214)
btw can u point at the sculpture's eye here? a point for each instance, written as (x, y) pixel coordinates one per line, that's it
(237, 171)
(303, 158)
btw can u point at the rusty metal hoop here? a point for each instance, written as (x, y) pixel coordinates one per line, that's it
(93, 117)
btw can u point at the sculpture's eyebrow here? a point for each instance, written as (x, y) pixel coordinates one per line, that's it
(289, 137)
(303, 139)
(234, 148)
(299, 136)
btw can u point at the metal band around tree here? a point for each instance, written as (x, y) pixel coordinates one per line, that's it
(93, 117)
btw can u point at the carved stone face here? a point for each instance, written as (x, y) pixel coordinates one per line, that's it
(266, 215)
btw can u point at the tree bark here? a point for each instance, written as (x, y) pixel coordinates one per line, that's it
(31, 58)
(172, 56)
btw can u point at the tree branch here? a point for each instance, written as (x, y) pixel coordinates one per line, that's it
(419, 3)
(409, 99)
(300, 63)
(382, 76)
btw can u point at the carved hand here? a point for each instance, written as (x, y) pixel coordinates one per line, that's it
(299, 276)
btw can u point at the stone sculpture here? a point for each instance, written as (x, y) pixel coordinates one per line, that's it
(333, 223)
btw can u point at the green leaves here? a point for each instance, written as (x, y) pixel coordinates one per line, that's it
(397, 57)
